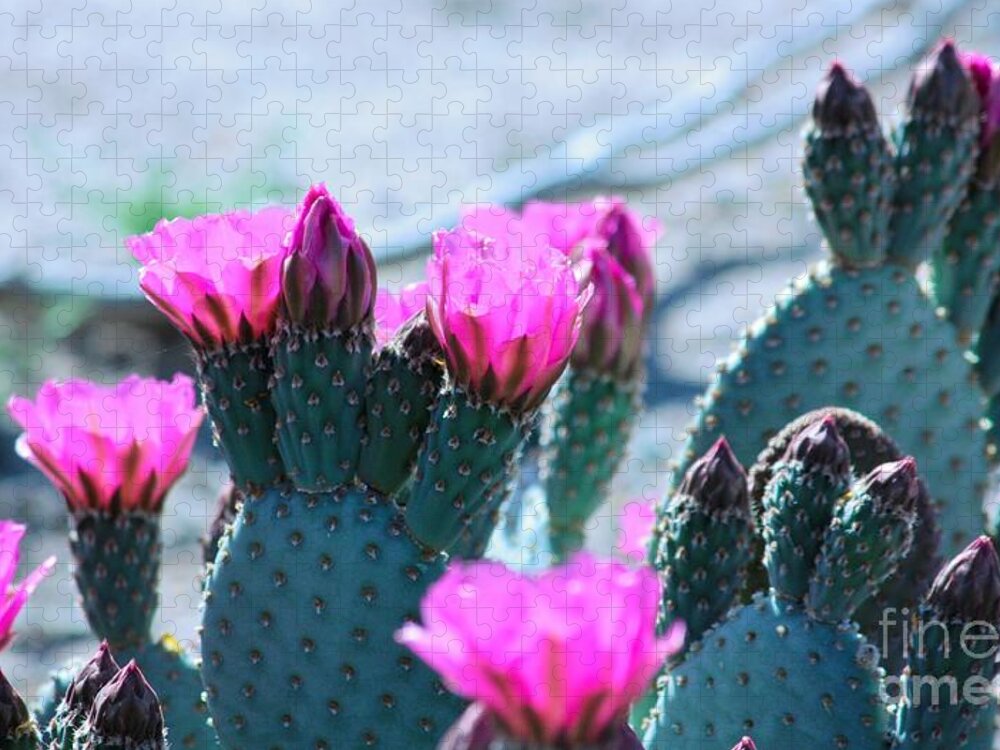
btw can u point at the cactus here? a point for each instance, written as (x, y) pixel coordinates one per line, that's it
(704, 544)
(18, 730)
(858, 331)
(308, 586)
(962, 605)
(791, 664)
(114, 478)
(587, 426)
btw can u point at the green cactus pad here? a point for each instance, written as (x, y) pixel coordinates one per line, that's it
(772, 672)
(869, 447)
(235, 389)
(402, 390)
(172, 673)
(798, 507)
(867, 340)
(931, 714)
(964, 268)
(318, 396)
(117, 572)
(702, 559)
(935, 154)
(584, 441)
(469, 451)
(861, 549)
(848, 173)
(300, 611)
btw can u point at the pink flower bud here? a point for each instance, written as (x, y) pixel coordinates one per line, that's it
(328, 279)
(558, 658)
(14, 597)
(215, 277)
(118, 447)
(986, 77)
(392, 310)
(506, 318)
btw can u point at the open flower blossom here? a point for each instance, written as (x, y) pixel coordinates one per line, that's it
(635, 527)
(611, 248)
(392, 310)
(119, 447)
(556, 658)
(216, 277)
(14, 597)
(506, 318)
(328, 279)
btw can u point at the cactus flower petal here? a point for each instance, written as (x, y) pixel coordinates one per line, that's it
(393, 310)
(215, 277)
(328, 278)
(99, 445)
(556, 658)
(15, 596)
(507, 318)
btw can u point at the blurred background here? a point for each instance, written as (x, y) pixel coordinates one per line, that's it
(116, 114)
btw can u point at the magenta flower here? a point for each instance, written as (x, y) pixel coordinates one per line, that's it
(556, 658)
(635, 526)
(215, 277)
(603, 225)
(986, 77)
(611, 248)
(15, 597)
(328, 280)
(392, 310)
(506, 318)
(119, 447)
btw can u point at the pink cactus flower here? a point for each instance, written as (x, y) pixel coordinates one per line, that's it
(556, 658)
(216, 277)
(392, 310)
(603, 225)
(635, 527)
(328, 279)
(612, 249)
(986, 77)
(14, 597)
(506, 318)
(119, 447)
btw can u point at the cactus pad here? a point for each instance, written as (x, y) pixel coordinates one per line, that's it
(585, 436)
(868, 340)
(300, 611)
(771, 671)
(234, 385)
(117, 571)
(319, 381)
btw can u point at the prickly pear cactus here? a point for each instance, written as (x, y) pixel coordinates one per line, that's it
(772, 670)
(299, 616)
(234, 384)
(117, 571)
(859, 331)
(592, 416)
(406, 378)
(868, 447)
(786, 665)
(704, 546)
